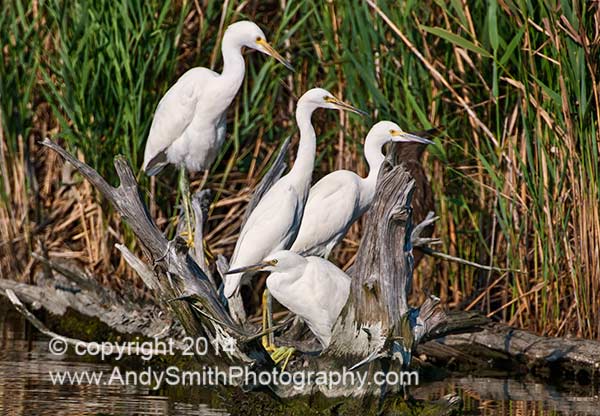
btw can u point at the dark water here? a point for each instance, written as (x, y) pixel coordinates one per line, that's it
(26, 387)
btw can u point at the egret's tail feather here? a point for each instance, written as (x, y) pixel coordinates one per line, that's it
(156, 164)
(232, 284)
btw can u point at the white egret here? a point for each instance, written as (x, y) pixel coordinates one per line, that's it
(189, 128)
(310, 287)
(341, 197)
(274, 223)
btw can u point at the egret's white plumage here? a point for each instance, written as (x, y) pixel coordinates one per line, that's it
(310, 287)
(274, 223)
(189, 123)
(341, 197)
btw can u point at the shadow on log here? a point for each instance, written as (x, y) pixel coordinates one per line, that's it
(410, 154)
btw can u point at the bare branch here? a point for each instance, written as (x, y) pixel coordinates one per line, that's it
(176, 273)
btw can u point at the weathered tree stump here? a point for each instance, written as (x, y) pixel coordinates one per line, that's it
(377, 328)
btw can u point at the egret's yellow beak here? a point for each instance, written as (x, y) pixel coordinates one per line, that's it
(400, 136)
(271, 51)
(254, 267)
(345, 106)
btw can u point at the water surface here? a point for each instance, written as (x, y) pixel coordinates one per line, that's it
(26, 387)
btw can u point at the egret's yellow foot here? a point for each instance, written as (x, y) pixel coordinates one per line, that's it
(189, 238)
(282, 353)
(278, 354)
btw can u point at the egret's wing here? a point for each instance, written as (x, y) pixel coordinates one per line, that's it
(319, 296)
(271, 177)
(272, 226)
(331, 208)
(222, 128)
(173, 115)
(273, 222)
(304, 297)
(335, 287)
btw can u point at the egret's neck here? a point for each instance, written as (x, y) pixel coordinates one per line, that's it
(233, 68)
(375, 158)
(305, 158)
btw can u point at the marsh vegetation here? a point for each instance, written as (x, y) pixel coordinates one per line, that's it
(516, 175)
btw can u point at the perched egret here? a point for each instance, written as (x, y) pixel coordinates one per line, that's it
(310, 287)
(189, 128)
(341, 197)
(274, 223)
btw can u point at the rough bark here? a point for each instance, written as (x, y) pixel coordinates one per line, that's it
(57, 295)
(377, 323)
(502, 343)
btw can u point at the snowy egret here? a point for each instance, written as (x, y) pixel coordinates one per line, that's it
(341, 197)
(274, 223)
(189, 128)
(310, 287)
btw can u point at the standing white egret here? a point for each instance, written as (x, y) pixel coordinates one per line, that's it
(341, 197)
(274, 223)
(310, 287)
(189, 128)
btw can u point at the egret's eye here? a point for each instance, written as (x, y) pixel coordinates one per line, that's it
(259, 39)
(392, 131)
(274, 261)
(328, 98)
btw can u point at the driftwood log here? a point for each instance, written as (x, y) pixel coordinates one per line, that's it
(377, 329)
(170, 271)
